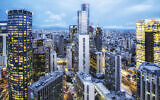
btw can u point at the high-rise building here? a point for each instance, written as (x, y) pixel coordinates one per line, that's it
(83, 19)
(98, 39)
(49, 87)
(19, 53)
(41, 62)
(148, 39)
(91, 38)
(69, 56)
(61, 45)
(72, 30)
(53, 61)
(82, 53)
(148, 81)
(113, 71)
(84, 87)
(3, 43)
(96, 63)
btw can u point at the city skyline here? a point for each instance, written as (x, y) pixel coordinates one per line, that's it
(119, 14)
(80, 60)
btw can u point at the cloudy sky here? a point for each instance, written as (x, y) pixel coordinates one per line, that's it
(106, 13)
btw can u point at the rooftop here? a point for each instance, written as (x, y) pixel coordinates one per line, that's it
(45, 80)
(150, 68)
(110, 95)
(84, 77)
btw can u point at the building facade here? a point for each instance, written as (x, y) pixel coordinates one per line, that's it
(148, 81)
(113, 71)
(19, 53)
(148, 37)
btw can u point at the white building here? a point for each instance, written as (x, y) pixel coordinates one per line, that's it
(85, 87)
(3, 43)
(83, 19)
(69, 56)
(83, 53)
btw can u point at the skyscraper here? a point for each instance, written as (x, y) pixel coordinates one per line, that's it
(82, 53)
(83, 19)
(19, 53)
(61, 45)
(96, 63)
(72, 30)
(41, 62)
(69, 56)
(113, 71)
(98, 39)
(148, 39)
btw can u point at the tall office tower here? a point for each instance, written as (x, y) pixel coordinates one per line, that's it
(148, 81)
(53, 61)
(19, 53)
(91, 30)
(84, 87)
(3, 43)
(83, 19)
(49, 87)
(72, 30)
(41, 62)
(61, 45)
(91, 38)
(69, 56)
(98, 39)
(148, 38)
(113, 71)
(96, 63)
(82, 53)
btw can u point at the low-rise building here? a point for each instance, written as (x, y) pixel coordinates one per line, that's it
(48, 87)
(148, 81)
(84, 87)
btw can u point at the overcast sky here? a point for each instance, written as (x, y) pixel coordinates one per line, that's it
(106, 13)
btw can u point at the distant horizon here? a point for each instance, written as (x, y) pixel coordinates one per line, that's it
(119, 14)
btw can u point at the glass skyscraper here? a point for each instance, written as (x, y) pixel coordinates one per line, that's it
(83, 19)
(19, 53)
(148, 39)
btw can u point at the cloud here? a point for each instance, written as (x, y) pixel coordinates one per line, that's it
(54, 17)
(103, 12)
(54, 20)
(139, 8)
